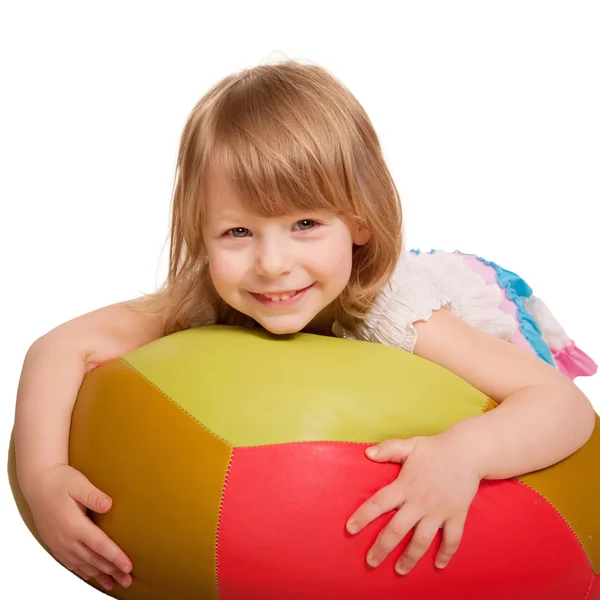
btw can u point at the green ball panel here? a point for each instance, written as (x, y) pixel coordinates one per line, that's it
(251, 388)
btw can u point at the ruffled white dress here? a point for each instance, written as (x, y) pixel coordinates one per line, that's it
(481, 293)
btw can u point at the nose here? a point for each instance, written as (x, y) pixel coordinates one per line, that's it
(273, 259)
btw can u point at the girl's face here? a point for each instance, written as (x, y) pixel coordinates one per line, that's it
(284, 272)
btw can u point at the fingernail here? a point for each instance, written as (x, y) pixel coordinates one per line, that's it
(103, 503)
(352, 527)
(401, 570)
(372, 451)
(371, 560)
(440, 565)
(125, 568)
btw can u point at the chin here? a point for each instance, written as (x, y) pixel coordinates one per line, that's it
(284, 327)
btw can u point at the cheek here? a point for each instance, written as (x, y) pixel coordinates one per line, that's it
(338, 262)
(223, 268)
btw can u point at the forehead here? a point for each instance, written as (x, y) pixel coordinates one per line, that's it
(221, 196)
(273, 197)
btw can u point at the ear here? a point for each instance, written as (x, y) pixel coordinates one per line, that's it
(360, 235)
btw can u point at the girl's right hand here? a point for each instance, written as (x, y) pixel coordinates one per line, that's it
(58, 506)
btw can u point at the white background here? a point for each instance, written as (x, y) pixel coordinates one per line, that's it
(487, 113)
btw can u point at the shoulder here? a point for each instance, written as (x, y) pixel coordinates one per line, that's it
(423, 283)
(411, 294)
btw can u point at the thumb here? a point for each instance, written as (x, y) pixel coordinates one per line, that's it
(89, 495)
(396, 450)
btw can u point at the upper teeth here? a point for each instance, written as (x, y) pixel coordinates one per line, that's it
(277, 298)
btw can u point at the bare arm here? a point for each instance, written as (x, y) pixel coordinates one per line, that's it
(543, 417)
(52, 372)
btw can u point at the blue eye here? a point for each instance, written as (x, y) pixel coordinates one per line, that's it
(305, 224)
(238, 232)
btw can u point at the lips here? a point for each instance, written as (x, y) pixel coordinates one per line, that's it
(277, 296)
(281, 298)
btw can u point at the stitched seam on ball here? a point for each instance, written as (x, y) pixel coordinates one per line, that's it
(304, 442)
(562, 517)
(587, 595)
(223, 489)
(484, 408)
(176, 404)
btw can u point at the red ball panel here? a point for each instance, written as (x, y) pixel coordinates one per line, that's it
(594, 593)
(282, 535)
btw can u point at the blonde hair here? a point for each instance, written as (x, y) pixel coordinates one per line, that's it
(287, 136)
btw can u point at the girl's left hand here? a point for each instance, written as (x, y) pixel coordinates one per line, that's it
(434, 490)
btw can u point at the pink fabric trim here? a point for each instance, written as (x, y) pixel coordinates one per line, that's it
(570, 360)
(507, 306)
(573, 362)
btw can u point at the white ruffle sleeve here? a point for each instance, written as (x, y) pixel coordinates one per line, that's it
(423, 283)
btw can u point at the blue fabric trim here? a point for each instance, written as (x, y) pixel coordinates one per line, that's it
(516, 289)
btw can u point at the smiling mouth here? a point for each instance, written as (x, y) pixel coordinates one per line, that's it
(277, 296)
(282, 298)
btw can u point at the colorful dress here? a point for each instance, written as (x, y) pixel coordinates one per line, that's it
(479, 292)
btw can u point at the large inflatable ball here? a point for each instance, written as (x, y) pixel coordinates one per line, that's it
(234, 459)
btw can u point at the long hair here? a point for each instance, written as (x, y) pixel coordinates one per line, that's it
(288, 136)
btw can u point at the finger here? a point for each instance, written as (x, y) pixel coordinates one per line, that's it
(98, 542)
(88, 494)
(87, 571)
(72, 566)
(393, 533)
(87, 555)
(385, 499)
(396, 450)
(106, 581)
(424, 533)
(451, 537)
(101, 564)
(75, 563)
(81, 574)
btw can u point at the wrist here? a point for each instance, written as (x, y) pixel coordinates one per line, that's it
(462, 440)
(32, 477)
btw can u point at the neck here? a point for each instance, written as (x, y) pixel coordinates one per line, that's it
(323, 322)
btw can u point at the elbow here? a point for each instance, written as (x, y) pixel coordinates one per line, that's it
(587, 416)
(592, 421)
(575, 415)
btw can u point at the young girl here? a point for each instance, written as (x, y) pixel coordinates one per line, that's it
(286, 217)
